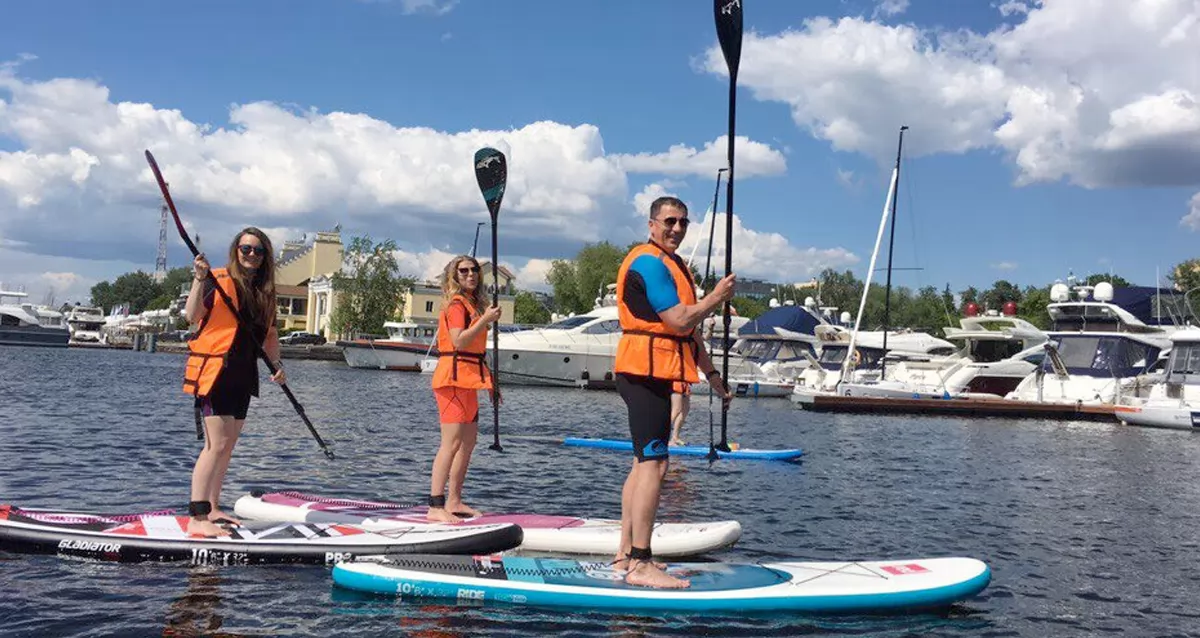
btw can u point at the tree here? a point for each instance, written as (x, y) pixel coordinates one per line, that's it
(747, 307)
(970, 295)
(596, 266)
(134, 288)
(528, 310)
(160, 302)
(840, 290)
(1033, 306)
(1116, 280)
(1002, 291)
(102, 296)
(561, 278)
(370, 288)
(175, 281)
(1186, 275)
(577, 283)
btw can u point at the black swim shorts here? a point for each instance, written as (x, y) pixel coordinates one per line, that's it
(649, 404)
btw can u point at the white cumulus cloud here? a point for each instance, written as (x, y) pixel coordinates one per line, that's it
(1100, 92)
(751, 159)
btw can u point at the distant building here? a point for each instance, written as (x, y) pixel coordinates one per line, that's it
(298, 265)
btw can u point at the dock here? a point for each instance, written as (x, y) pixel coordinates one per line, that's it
(961, 407)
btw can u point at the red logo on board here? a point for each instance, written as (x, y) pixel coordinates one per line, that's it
(901, 570)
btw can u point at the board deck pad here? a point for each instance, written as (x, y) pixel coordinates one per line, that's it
(162, 536)
(541, 533)
(814, 587)
(788, 454)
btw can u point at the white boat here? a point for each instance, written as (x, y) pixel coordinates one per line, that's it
(84, 324)
(996, 353)
(568, 351)
(403, 349)
(1174, 401)
(22, 324)
(771, 351)
(1098, 352)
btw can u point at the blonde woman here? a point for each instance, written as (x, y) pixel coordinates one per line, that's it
(461, 372)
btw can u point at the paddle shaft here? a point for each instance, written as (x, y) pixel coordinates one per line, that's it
(728, 15)
(262, 353)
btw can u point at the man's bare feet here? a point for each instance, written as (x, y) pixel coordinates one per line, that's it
(646, 574)
(440, 515)
(677, 442)
(206, 529)
(219, 517)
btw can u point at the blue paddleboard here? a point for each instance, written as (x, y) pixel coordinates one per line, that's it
(690, 450)
(806, 587)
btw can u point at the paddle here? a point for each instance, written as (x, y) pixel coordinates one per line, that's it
(728, 14)
(712, 228)
(491, 171)
(166, 193)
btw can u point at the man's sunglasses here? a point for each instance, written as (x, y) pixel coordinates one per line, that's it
(468, 270)
(670, 222)
(246, 249)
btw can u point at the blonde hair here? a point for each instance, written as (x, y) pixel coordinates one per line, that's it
(451, 287)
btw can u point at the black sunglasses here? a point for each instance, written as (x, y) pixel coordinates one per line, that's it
(670, 222)
(468, 270)
(246, 249)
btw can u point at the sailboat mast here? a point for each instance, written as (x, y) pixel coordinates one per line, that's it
(887, 295)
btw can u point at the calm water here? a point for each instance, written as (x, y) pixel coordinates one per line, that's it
(1090, 529)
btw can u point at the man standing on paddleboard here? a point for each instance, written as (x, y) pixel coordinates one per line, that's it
(657, 306)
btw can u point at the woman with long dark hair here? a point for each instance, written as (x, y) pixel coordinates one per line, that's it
(222, 369)
(461, 372)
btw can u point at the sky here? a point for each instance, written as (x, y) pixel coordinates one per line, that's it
(1044, 137)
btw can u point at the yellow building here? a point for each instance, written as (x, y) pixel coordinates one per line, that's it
(298, 264)
(423, 303)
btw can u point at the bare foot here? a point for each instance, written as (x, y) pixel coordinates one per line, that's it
(206, 529)
(645, 574)
(219, 517)
(463, 511)
(440, 515)
(678, 442)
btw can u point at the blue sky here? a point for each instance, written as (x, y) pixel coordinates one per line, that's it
(1043, 138)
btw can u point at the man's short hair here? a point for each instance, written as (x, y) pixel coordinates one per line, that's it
(673, 202)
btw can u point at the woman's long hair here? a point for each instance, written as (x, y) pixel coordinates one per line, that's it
(451, 287)
(256, 293)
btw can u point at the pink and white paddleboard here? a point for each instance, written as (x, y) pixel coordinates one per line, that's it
(563, 534)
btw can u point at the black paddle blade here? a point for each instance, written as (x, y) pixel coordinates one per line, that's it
(729, 31)
(491, 171)
(166, 193)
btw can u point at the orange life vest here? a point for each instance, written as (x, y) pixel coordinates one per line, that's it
(463, 368)
(213, 341)
(652, 348)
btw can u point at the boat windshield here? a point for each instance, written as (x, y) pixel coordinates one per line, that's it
(569, 322)
(1103, 356)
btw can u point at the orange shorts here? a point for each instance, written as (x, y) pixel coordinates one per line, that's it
(681, 387)
(457, 405)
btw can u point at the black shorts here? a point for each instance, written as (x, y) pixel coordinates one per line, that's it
(226, 399)
(649, 404)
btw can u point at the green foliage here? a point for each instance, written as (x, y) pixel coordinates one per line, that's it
(578, 282)
(528, 310)
(1116, 280)
(1002, 291)
(1033, 306)
(1186, 275)
(160, 302)
(369, 288)
(748, 307)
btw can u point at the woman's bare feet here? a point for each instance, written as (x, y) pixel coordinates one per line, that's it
(206, 529)
(646, 574)
(219, 517)
(440, 515)
(463, 511)
(677, 442)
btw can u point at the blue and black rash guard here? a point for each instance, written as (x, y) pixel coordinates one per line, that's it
(650, 286)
